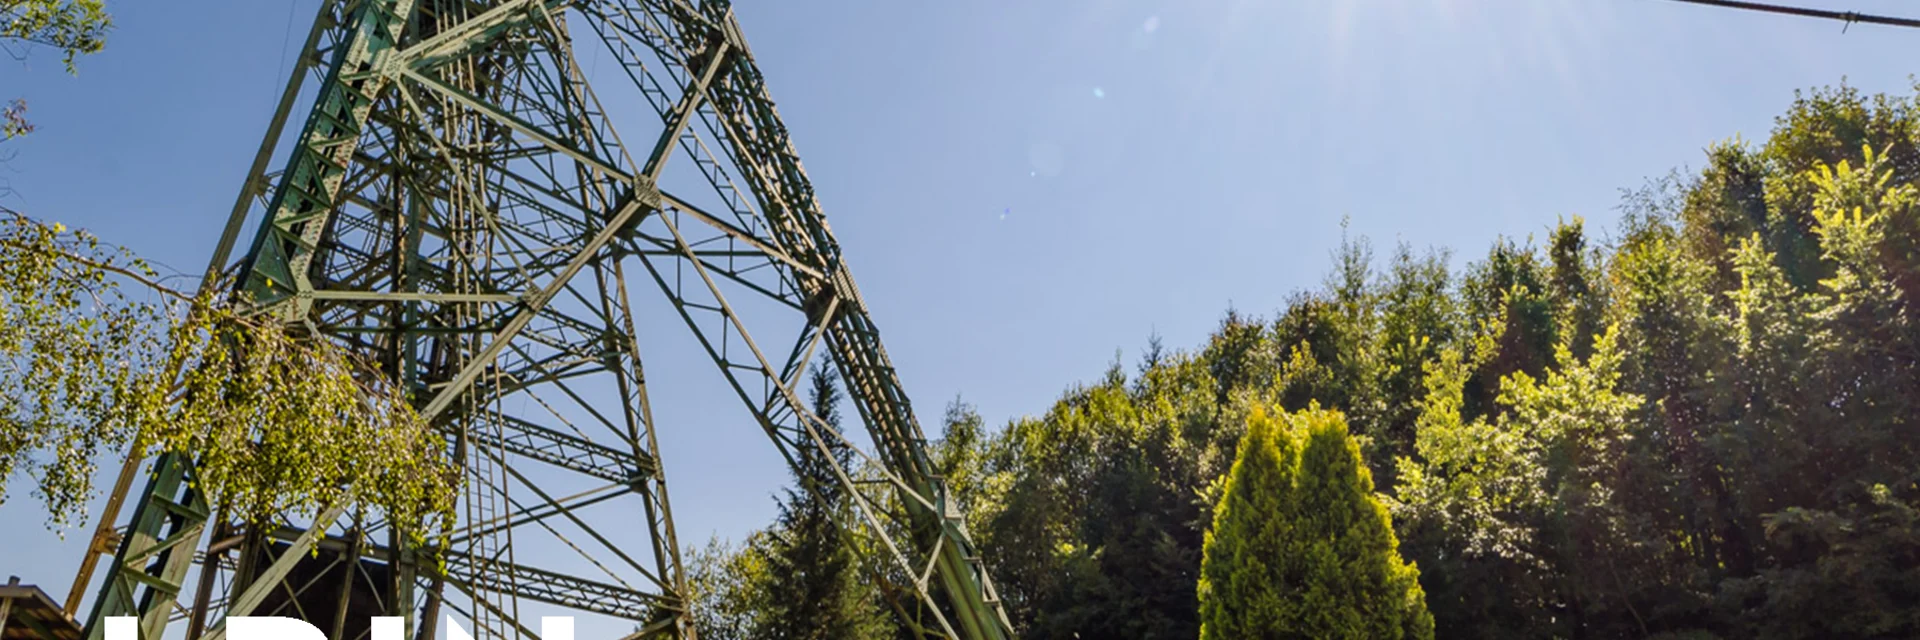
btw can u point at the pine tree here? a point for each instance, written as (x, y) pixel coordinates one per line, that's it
(812, 574)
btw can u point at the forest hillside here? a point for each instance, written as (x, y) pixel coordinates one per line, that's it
(1701, 422)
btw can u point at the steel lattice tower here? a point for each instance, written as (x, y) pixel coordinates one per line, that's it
(459, 208)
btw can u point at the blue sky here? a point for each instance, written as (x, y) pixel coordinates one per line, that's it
(1024, 188)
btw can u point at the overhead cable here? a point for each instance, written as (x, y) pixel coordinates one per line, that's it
(1848, 17)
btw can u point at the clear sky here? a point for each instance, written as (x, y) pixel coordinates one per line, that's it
(1024, 188)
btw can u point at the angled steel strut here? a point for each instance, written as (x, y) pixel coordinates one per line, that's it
(458, 207)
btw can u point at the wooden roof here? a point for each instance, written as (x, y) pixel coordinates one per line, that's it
(34, 616)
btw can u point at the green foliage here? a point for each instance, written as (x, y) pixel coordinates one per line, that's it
(1091, 510)
(1509, 292)
(1355, 584)
(809, 562)
(1325, 338)
(280, 424)
(73, 350)
(1856, 570)
(1241, 355)
(800, 578)
(1839, 416)
(1576, 287)
(75, 27)
(1707, 426)
(1250, 577)
(1300, 547)
(1730, 460)
(1419, 318)
(277, 424)
(726, 589)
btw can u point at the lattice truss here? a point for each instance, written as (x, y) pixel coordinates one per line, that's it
(461, 209)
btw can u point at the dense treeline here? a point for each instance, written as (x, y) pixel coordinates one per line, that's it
(1701, 425)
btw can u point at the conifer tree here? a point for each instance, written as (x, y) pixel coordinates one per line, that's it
(811, 570)
(1300, 546)
(1243, 577)
(1353, 583)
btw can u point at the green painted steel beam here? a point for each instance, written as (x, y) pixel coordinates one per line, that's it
(148, 572)
(276, 268)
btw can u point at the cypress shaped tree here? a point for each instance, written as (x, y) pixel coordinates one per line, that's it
(1300, 546)
(1353, 583)
(1243, 576)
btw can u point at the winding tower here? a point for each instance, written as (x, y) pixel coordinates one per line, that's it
(461, 206)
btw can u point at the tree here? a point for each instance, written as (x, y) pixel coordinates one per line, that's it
(1575, 287)
(1419, 319)
(1300, 546)
(275, 423)
(1326, 339)
(1244, 575)
(74, 27)
(1087, 503)
(1240, 354)
(1829, 381)
(811, 570)
(1468, 505)
(1354, 583)
(726, 593)
(1508, 290)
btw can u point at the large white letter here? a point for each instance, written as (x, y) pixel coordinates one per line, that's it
(389, 628)
(551, 628)
(122, 628)
(271, 628)
(556, 628)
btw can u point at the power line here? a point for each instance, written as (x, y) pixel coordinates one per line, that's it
(1843, 16)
